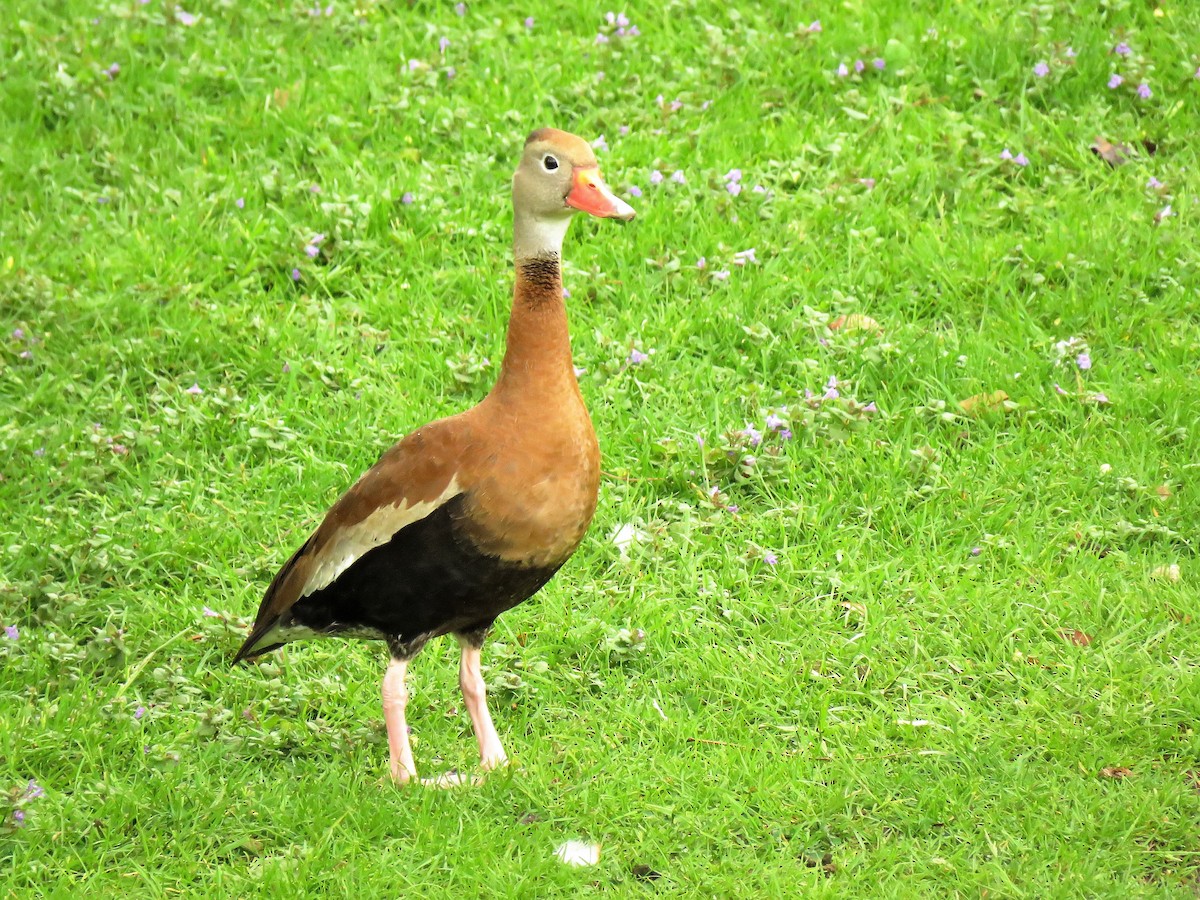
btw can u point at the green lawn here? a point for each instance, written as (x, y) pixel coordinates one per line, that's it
(897, 649)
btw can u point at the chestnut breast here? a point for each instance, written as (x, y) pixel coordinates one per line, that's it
(532, 486)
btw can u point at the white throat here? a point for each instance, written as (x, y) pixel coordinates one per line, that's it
(538, 235)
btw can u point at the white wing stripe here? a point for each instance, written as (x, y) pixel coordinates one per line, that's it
(377, 529)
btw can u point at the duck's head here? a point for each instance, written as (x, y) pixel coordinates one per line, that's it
(558, 175)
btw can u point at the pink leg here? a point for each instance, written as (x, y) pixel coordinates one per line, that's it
(474, 691)
(395, 698)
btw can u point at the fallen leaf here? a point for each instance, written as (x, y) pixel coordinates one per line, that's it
(645, 873)
(1113, 154)
(1115, 772)
(979, 404)
(1166, 573)
(826, 863)
(856, 322)
(1163, 491)
(1075, 636)
(578, 853)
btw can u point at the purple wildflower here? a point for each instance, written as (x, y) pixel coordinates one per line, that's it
(636, 357)
(1100, 397)
(18, 334)
(33, 791)
(1070, 53)
(770, 558)
(26, 354)
(460, 9)
(139, 712)
(868, 183)
(210, 613)
(734, 188)
(529, 22)
(451, 72)
(185, 18)
(774, 422)
(635, 191)
(600, 144)
(119, 449)
(1143, 91)
(39, 452)
(407, 198)
(1197, 75)
(1154, 184)
(240, 202)
(785, 434)
(312, 250)
(656, 177)
(744, 256)
(879, 64)
(443, 45)
(678, 177)
(580, 371)
(831, 391)
(1084, 361)
(676, 105)
(113, 71)
(18, 817)
(1122, 49)
(815, 26)
(295, 274)
(975, 551)
(11, 632)
(314, 189)
(1006, 154)
(699, 440)
(733, 175)
(622, 130)
(1115, 81)
(752, 435)
(701, 263)
(721, 275)
(601, 38)
(842, 70)
(195, 388)
(286, 368)
(1021, 160)
(1058, 389)
(1041, 69)
(859, 65)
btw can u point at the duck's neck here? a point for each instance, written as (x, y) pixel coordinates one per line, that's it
(537, 359)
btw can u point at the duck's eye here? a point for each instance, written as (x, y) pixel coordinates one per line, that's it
(550, 163)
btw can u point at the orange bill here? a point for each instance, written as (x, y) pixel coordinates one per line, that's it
(590, 194)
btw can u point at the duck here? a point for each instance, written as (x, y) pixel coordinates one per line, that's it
(470, 515)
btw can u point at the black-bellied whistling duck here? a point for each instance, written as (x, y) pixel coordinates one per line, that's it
(469, 515)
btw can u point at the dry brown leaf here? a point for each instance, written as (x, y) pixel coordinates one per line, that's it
(1115, 772)
(996, 401)
(1075, 636)
(1163, 491)
(856, 322)
(1113, 154)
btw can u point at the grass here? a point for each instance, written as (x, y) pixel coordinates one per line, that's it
(970, 670)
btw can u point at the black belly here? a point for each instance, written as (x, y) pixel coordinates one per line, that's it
(428, 580)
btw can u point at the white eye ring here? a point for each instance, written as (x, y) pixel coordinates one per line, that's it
(549, 162)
